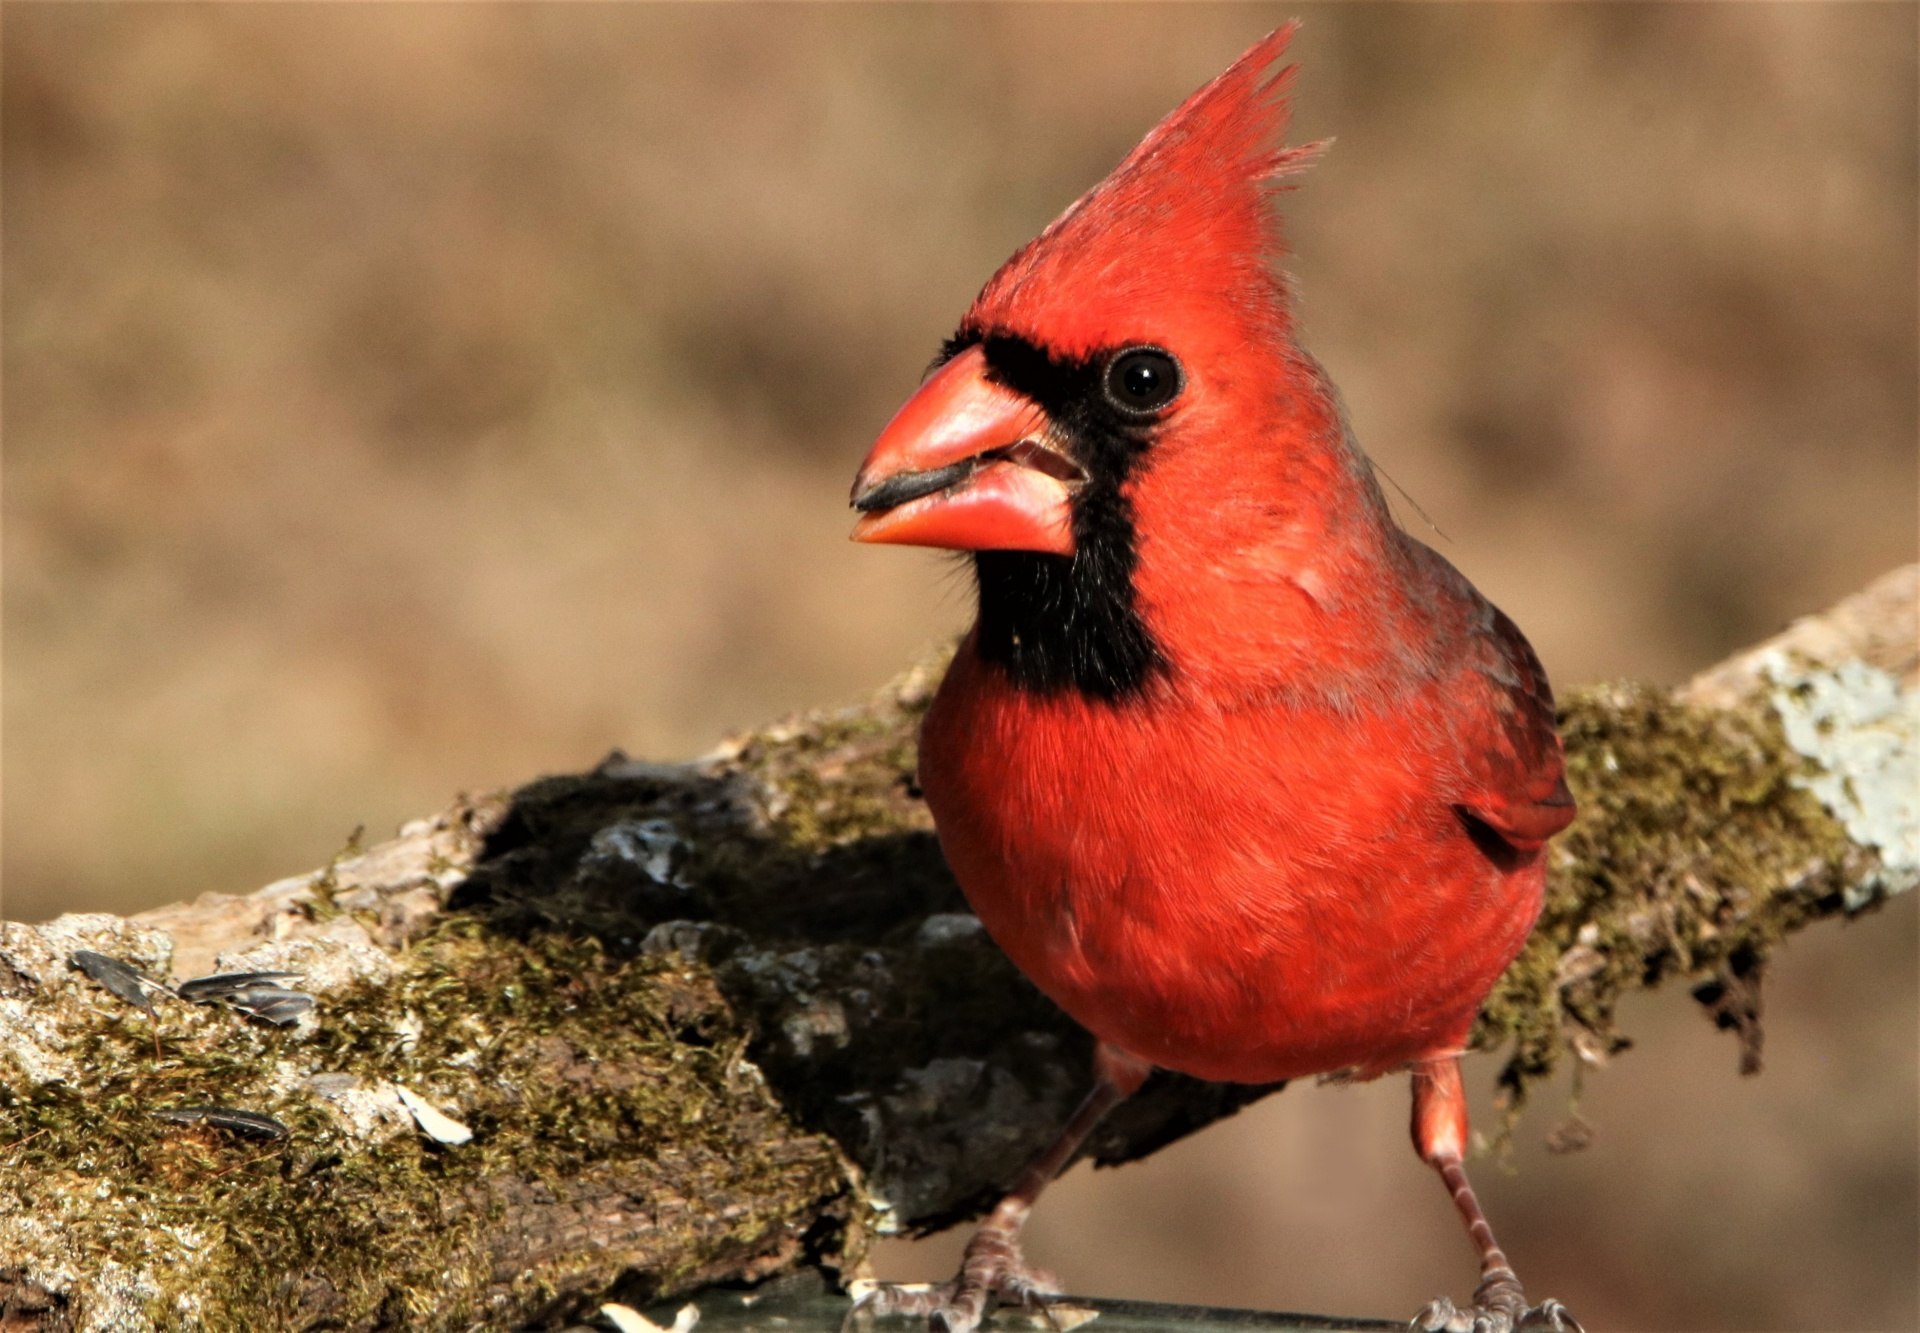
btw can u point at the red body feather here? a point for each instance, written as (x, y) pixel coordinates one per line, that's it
(1273, 879)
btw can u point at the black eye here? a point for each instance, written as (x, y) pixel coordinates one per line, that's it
(1142, 380)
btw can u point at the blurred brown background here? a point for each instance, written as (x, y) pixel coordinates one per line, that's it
(408, 399)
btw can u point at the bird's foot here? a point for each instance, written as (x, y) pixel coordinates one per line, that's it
(1499, 1306)
(992, 1273)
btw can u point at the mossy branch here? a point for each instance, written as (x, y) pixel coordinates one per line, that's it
(707, 1021)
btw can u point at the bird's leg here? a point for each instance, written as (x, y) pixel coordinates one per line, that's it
(993, 1270)
(1440, 1135)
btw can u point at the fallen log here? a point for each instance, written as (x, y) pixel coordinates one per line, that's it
(625, 1033)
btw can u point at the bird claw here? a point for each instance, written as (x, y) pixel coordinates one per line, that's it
(1499, 1306)
(1552, 1317)
(992, 1273)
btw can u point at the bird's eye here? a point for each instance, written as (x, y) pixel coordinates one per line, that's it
(1142, 380)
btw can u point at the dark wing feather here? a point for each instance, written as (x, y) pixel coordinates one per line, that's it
(1516, 776)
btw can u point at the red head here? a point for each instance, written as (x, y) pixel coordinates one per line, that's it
(1124, 406)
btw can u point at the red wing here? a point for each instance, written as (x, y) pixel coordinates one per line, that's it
(1516, 777)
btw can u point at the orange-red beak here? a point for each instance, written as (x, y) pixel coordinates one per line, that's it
(970, 465)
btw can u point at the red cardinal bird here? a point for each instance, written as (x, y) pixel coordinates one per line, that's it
(1250, 782)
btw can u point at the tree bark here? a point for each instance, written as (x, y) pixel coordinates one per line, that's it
(714, 1020)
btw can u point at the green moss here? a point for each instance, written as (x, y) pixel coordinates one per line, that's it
(1694, 854)
(559, 1058)
(847, 775)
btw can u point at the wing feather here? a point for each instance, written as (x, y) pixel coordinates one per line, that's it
(1516, 774)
